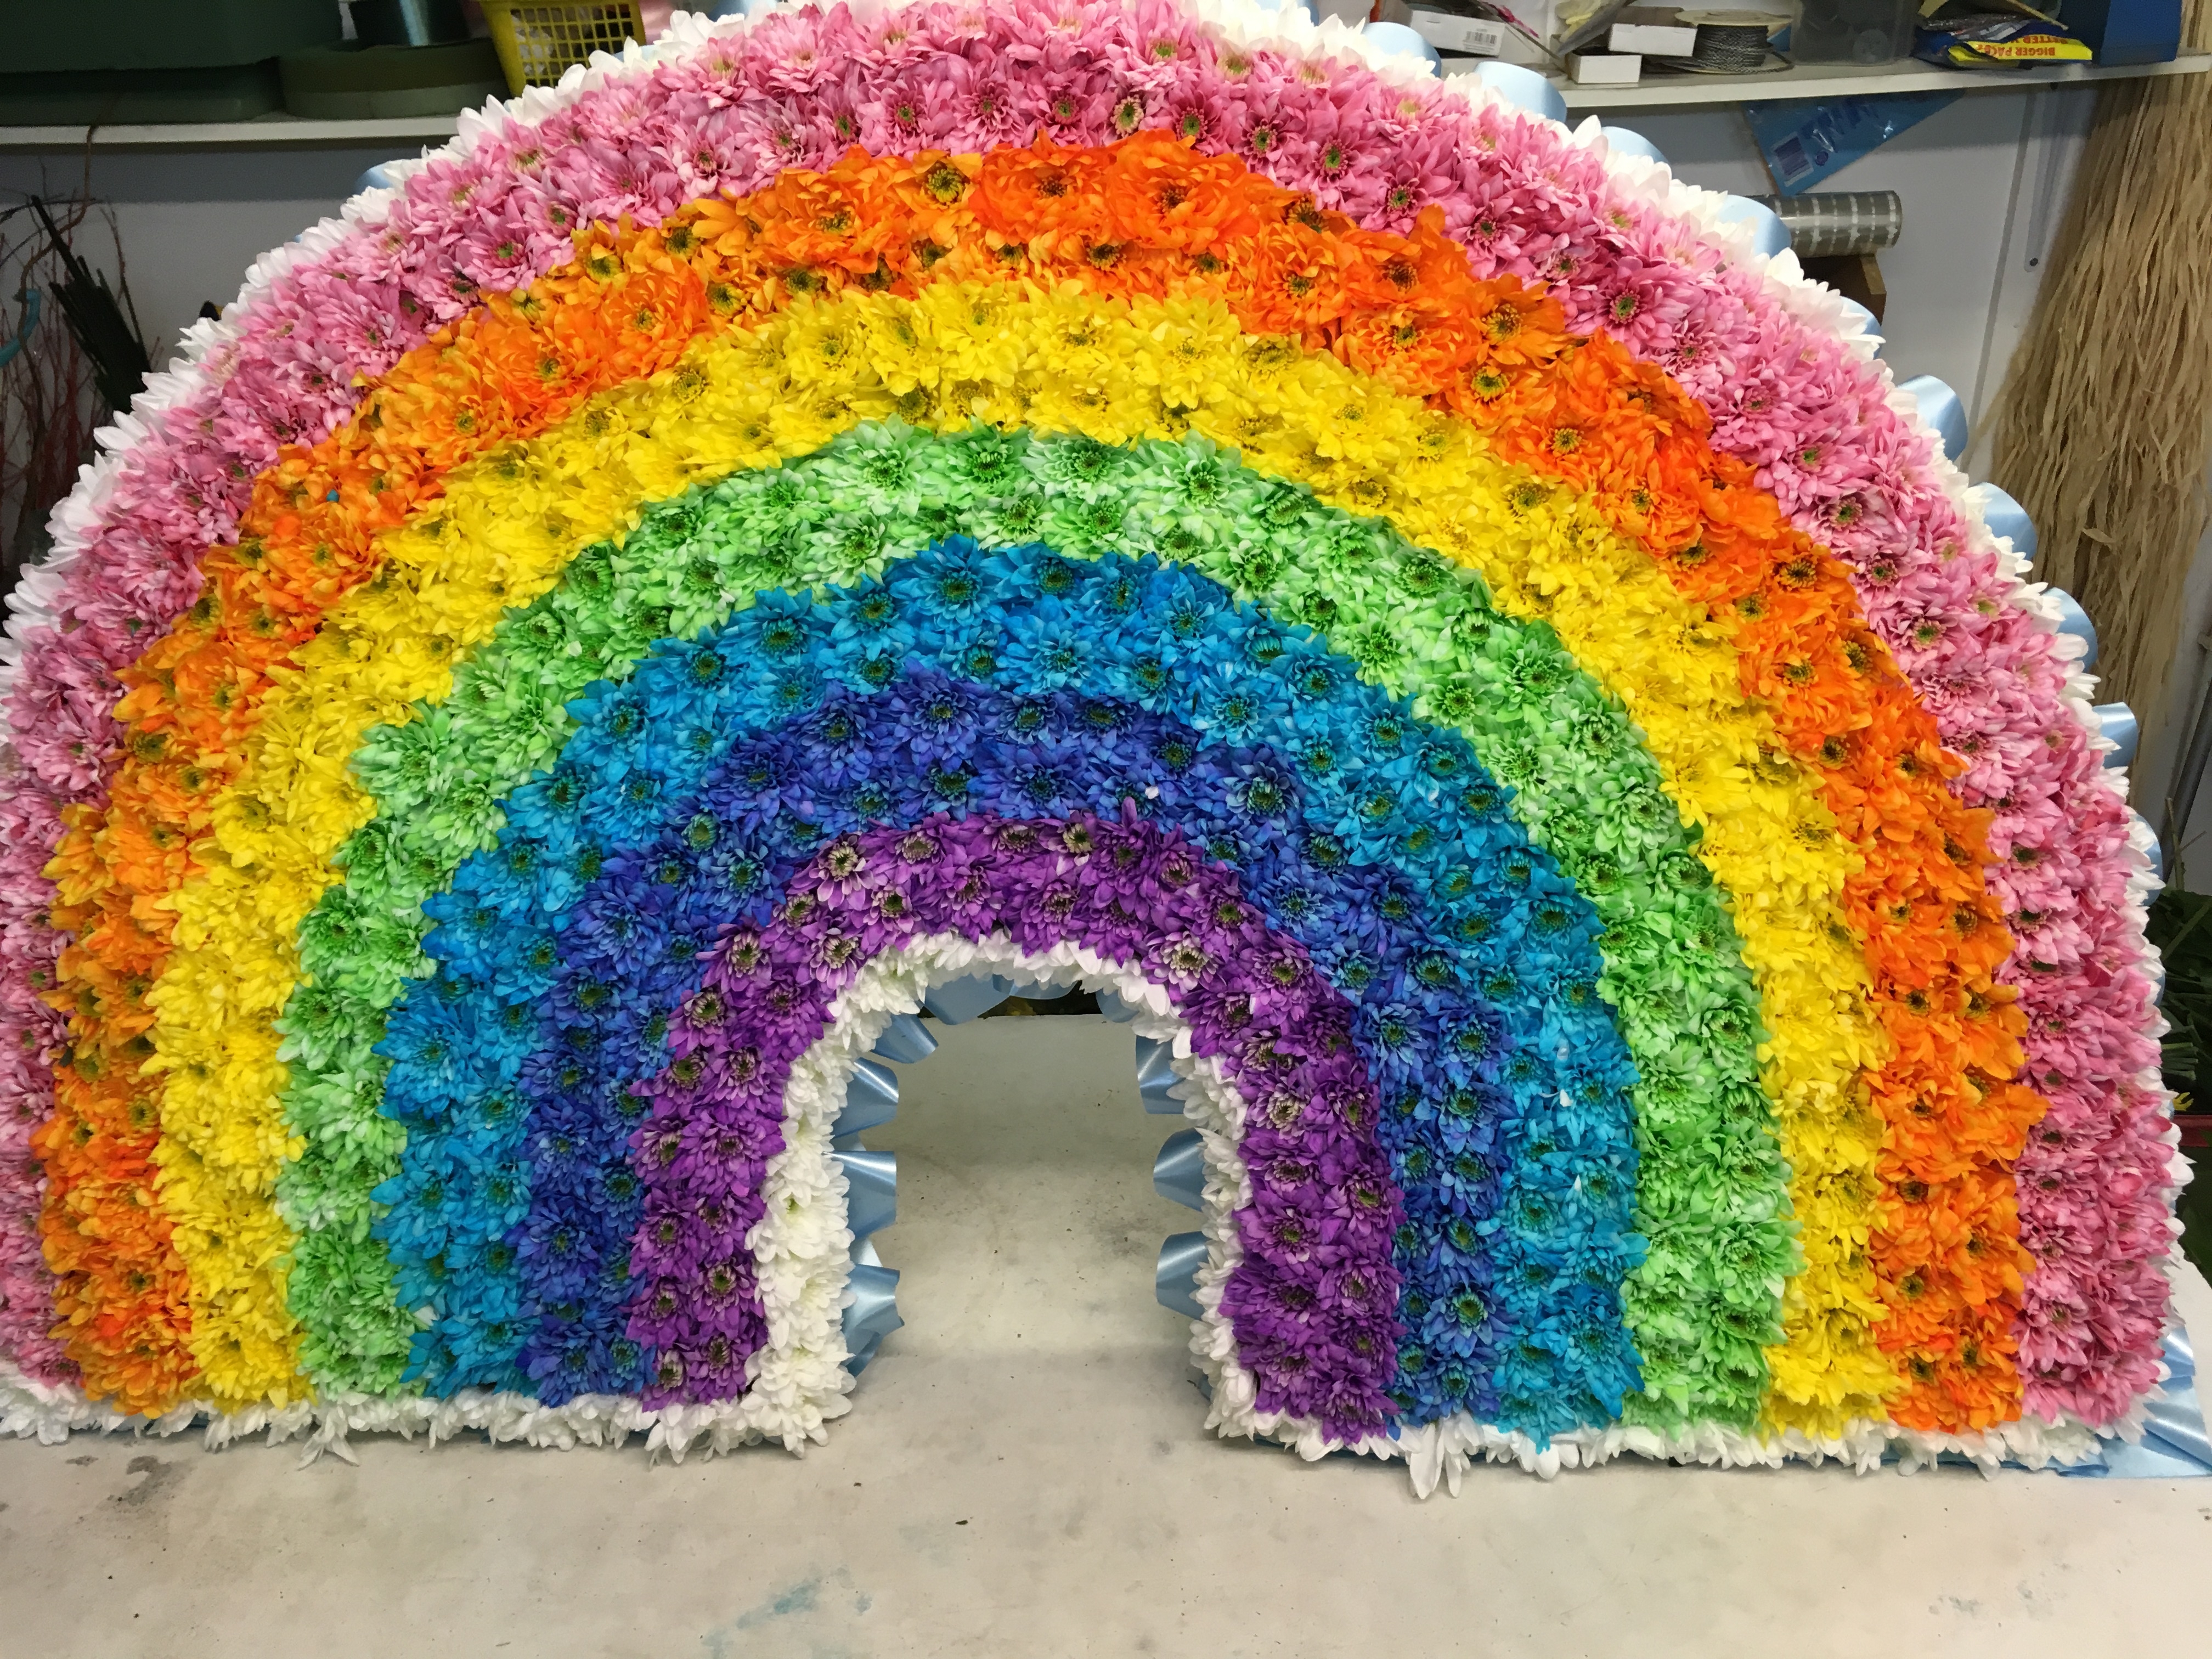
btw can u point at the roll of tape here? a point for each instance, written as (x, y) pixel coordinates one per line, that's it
(1179, 1172)
(1155, 1077)
(2119, 726)
(1832, 221)
(2073, 619)
(1730, 42)
(1768, 234)
(1175, 1277)
(1524, 89)
(2008, 517)
(1402, 42)
(905, 1040)
(1941, 407)
(1622, 142)
(957, 1001)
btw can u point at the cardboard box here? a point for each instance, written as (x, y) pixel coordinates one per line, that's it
(1654, 31)
(1605, 68)
(2126, 31)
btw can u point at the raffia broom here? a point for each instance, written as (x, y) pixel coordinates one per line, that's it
(2104, 423)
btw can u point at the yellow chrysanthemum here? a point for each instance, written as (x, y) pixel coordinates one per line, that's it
(1056, 360)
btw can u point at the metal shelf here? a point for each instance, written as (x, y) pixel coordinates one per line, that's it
(278, 131)
(1658, 92)
(1854, 81)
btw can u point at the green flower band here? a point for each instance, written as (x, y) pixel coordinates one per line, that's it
(1712, 1194)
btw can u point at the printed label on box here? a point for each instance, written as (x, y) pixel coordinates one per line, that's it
(1447, 32)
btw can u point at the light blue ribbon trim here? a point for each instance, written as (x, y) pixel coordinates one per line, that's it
(2174, 1445)
(1155, 1077)
(1768, 234)
(871, 1100)
(2118, 723)
(1622, 142)
(871, 1189)
(1523, 86)
(873, 1315)
(1869, 326)
(1175, 1278)
(1400, 41)
(2008, 517)
(957, 1001)
(1179, 1172)
(905, 1040)
(2073, 619)
(1941, 407)
(379, 176)
(2158, 869)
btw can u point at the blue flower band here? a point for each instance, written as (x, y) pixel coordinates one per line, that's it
(688, 795)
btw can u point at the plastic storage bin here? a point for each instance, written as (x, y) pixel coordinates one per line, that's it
(538, 39)
(1853, 31)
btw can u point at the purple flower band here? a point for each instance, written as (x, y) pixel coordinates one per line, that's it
(1313, 1303)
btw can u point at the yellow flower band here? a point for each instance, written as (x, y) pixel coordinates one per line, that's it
(1055, 362)
(1620, 437)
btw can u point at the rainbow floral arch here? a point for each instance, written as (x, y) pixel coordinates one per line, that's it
(1478, 661)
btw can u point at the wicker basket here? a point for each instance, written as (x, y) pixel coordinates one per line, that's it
(538, 39)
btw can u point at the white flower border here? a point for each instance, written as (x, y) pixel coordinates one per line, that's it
(1438, 1451)
(206, 345)
(798, 1383)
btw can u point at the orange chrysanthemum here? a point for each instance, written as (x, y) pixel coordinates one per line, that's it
(1146, 216)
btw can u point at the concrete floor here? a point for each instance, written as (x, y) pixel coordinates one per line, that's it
(1023, 1473)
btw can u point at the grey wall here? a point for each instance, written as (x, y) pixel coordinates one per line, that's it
(191, 221)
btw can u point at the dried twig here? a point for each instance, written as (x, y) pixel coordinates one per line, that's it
(49, 404)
